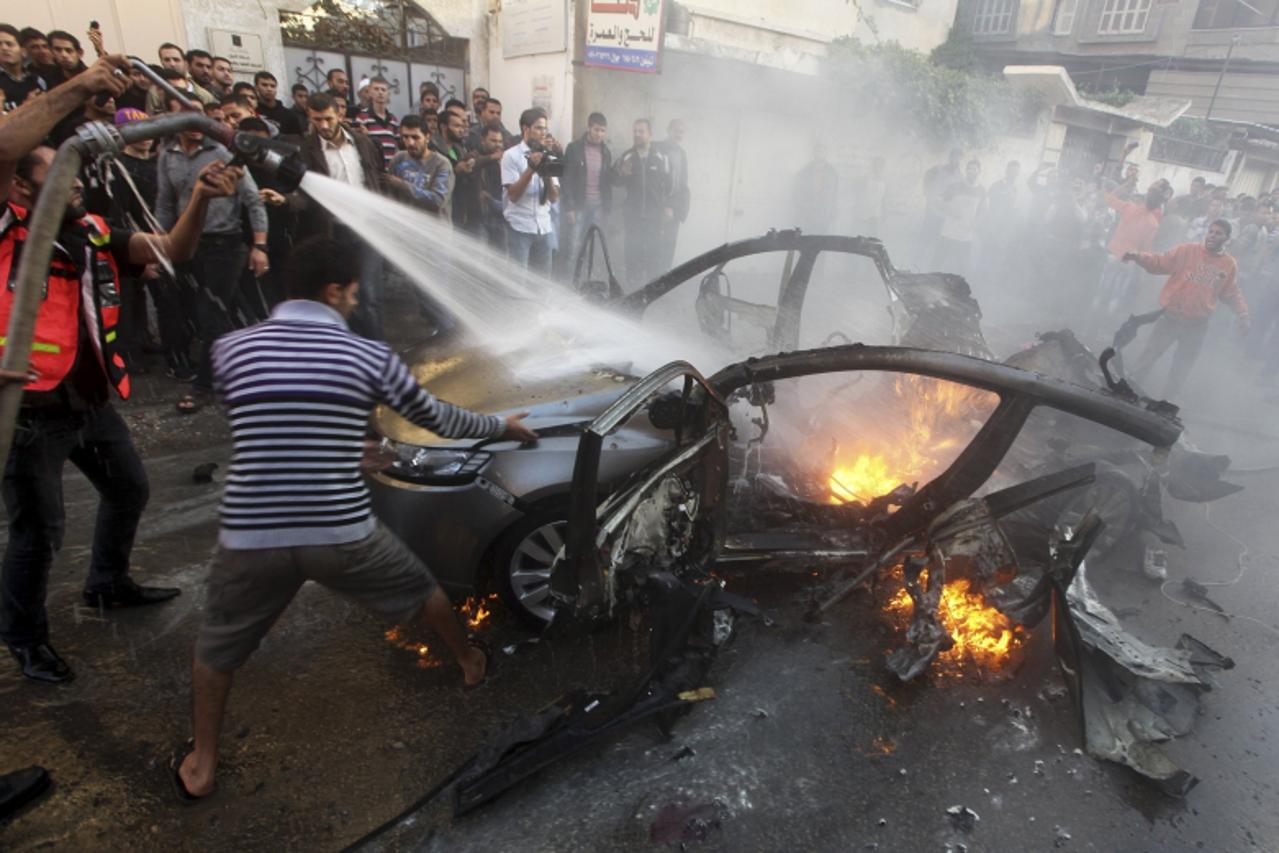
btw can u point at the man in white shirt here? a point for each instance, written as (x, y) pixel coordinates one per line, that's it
(527, 197)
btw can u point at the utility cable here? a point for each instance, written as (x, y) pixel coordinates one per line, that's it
(1243, 563)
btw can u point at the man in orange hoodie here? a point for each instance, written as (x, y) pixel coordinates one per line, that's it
(1199, 274)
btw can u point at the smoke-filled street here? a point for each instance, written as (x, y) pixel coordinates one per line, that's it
(458, 425)
(809, 742)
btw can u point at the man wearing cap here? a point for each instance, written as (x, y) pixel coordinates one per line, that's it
(65, 412)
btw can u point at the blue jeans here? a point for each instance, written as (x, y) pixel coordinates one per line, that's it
(579, 224)
(532, 251)
(98, 443)
(1118, 289)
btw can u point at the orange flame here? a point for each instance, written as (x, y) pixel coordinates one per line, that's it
(396, 637)
(984, 637)
(476, 612)
(934, 410)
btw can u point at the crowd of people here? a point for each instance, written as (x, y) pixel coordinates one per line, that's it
(524, 194)
(1087, 245)
(299, 385)
(220, 269)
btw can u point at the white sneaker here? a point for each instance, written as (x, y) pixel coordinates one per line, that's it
(1155, 564)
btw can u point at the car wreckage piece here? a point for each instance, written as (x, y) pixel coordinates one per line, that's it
(667, 518)
(1128, 492)
(1129, 696)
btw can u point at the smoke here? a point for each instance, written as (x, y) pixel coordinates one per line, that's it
(539, 327)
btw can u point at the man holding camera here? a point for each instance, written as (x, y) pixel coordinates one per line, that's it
(528, 191)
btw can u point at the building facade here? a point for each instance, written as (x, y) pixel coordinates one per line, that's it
(1220, 56)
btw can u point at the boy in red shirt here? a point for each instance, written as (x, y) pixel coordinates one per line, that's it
(1199, 275)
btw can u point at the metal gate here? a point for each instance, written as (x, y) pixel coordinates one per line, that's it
(395, 39)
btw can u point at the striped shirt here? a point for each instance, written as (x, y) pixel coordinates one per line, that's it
(298, 390)
(384, 131)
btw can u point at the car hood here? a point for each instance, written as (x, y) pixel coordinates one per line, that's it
(471, 376)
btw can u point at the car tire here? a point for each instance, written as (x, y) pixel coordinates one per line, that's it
(1116, 500)
(522, 562)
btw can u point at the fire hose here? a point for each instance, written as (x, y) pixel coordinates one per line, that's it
(91, 140)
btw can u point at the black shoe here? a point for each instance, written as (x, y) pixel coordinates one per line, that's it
(21, 787)
(127, 593)
(40, 662)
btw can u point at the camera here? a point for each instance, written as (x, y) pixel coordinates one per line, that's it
(550, 166)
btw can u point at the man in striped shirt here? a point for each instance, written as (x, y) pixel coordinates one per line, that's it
(298, 391)
(378, 121)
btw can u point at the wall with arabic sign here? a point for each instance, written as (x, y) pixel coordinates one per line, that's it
(625, 35)
(545, 80)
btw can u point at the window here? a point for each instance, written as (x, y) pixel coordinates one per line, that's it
(1124, 17)
(1236, 14)
(994, 17)
(1064, 20)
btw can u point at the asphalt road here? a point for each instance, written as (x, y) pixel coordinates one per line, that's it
(809, 743)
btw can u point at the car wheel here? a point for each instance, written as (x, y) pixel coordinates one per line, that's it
(1115, 499)
(522, 565)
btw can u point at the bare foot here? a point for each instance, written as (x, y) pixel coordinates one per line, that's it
(474, 666)
(197, 783)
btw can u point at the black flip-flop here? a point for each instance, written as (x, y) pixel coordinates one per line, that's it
(20, 788)
(179, 787)
(477, 643)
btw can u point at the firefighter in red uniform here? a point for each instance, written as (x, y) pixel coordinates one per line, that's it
(66, 412)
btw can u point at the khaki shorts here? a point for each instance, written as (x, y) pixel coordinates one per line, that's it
(249, 589)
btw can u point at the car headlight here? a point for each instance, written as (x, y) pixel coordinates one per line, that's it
(432, 465)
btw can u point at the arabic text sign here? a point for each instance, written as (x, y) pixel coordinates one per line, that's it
(625, 34)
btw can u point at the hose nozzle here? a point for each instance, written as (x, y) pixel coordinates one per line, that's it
(278, 158)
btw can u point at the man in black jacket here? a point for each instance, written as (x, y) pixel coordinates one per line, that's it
(586, 194)
(646, 174)
(328, 148)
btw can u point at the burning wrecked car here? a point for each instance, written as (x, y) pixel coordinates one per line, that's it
(662, 539)
(966, 490)
(492, 513)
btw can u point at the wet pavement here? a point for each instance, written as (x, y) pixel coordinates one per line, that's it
(809, 743)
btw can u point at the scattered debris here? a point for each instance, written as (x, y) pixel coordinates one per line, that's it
(1199, 593)
(701, 694)
(203, 473)
(679, 823)
(963, 818)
